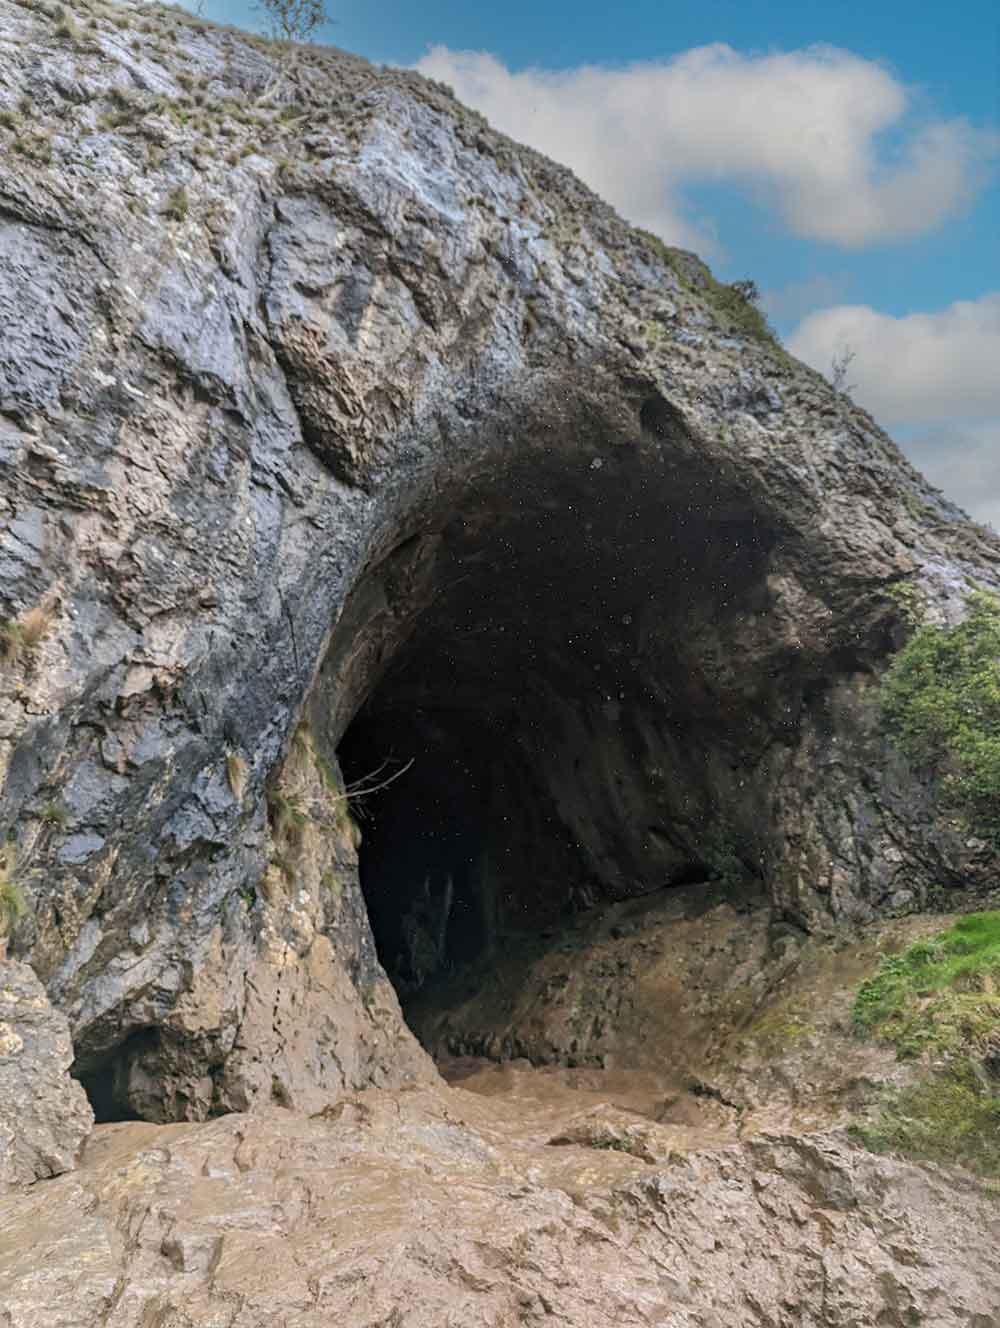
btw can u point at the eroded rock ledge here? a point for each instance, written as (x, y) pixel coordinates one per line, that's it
(429, 1209)
(334, 413)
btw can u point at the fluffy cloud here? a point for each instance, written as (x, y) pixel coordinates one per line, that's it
(805, 131)
(933, 376)
(964, 463)
(919, 367)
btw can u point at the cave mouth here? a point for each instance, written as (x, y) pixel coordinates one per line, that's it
(553, 690)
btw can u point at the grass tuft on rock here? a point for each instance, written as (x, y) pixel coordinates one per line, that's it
(940, 701)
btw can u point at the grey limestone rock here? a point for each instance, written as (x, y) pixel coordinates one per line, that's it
(45, 1117)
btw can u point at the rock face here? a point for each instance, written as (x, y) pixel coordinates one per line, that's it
(44, 1114)
(326, 410)
(424, 1210)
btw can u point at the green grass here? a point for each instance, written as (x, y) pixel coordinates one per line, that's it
(939, 1001)
(940, 702)
(940, 993)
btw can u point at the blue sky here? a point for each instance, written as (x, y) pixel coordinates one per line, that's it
(845, 155)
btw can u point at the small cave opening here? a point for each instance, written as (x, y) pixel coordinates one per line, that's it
(102, 1077)
(551, 690)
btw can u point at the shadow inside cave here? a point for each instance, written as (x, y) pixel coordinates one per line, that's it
(554, 674)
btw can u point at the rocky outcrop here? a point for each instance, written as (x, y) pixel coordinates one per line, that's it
(44, 1114)
(342, 409)
(425, 1209)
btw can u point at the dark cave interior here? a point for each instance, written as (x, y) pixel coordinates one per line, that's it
(570, 697)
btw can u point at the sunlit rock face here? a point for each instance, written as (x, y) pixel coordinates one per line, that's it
(334, 423)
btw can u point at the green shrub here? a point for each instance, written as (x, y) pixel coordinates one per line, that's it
(940, 701)
(735, 305)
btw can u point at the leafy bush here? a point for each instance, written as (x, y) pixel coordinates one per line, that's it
(940, 700)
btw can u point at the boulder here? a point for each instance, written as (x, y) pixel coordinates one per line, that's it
(45, 1117)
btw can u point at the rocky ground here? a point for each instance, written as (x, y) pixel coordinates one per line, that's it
(706, 1181)
(442, 1209)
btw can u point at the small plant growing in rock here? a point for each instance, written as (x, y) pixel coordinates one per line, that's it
(177, 204)
(288, 820)
(839, 366)
(55, 813)
(20, 636)
(747, 290)
(36, 624)
(11, 642)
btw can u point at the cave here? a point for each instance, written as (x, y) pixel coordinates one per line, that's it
(554, 695)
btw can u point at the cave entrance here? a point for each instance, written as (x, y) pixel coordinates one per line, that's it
(550, 677)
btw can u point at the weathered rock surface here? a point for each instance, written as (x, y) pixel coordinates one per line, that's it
(715, 1016)
(321, 401)
(434, 1209)
(44, 1114)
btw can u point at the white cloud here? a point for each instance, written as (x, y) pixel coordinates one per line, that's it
(918, 367)
(803, 130)
(965, 464)
(801, 297)
(935, 376)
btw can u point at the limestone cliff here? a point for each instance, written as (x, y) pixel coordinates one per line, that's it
(319, 397)
(338, 430)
